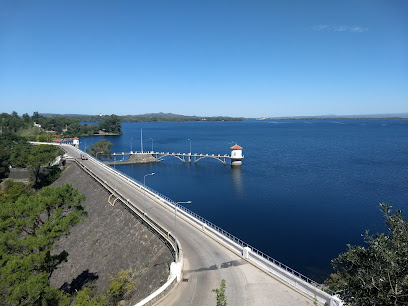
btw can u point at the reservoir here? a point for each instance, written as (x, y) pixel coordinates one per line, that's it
(305, 189)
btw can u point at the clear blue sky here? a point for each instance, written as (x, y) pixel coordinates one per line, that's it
(209, 57)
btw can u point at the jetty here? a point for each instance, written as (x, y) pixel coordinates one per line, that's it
(151, 157)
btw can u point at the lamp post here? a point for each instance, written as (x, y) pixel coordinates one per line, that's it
(190, 145)
(144, 191)
(131, 145)
(152, 143)
(175, 222)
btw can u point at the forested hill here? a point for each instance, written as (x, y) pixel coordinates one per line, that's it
(151, 117)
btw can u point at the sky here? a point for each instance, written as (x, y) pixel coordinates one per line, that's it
(204, 57)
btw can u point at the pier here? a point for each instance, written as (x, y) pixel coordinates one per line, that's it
(211, 253)
(152, 157)
(149, 157)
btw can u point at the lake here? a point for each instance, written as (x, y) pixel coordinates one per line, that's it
(306, 187)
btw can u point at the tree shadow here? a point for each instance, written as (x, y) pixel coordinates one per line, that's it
(79, 282)
(46, 176)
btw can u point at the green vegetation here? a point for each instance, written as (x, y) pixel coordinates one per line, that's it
(376, 274)
(87, 297)
(44, 129)
(4, 162)
(220, 292)
(29, 226)
(101, 149)
(16, 152)
(156, 117)
(119, 287)
(111, 124)
(33, 217)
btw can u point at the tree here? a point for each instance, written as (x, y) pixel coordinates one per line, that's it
(101, 149)
(119, 288)
(220, 292)
(111, 124)
(74, 128)
(26, 118)
(20, 155)
(376, 274)
(4, 162)
(39, 156)
(29, 227)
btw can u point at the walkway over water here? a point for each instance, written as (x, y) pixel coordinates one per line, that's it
(209, 254)
(160, 155)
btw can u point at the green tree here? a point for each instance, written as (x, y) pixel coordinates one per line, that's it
(11, 147)
(74, 129)
(4, 162)
(20, 155)
(11, 123)
(41, 155)
(13, 190)
(220, 292)
(101, 149)
(26, 117)
(375, 274)
(36, 116)
(111, 124)
(119, 286)
(87, 297)
(28, 229)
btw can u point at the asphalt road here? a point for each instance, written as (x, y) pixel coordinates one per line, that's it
(206, 262)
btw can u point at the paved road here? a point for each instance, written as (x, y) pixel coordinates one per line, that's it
(206, 262)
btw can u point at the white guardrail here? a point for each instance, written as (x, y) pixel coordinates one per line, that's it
(251, 254)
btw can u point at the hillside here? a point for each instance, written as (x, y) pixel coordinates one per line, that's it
(151, 117)
(110, 240)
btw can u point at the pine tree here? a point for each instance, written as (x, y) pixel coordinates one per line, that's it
(29, 227)
(375, 274)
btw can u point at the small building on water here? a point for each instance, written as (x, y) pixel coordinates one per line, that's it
(236, 155)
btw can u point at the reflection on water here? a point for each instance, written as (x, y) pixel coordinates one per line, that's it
(237, 181)
(303, 182)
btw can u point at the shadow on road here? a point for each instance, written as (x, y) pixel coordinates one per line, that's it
(224, 265)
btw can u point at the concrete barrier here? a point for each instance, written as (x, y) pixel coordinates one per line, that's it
(176, 267)
(251, 254)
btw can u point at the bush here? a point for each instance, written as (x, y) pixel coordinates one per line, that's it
(375, 274)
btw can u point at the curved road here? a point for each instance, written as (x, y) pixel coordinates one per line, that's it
(206, 262)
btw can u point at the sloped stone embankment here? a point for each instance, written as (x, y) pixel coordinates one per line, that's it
(110, 240)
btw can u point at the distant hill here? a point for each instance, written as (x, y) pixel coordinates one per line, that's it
(327, 117)
(151, 117)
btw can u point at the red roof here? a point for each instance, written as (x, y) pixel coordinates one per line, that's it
(76, 138)
(236, 147)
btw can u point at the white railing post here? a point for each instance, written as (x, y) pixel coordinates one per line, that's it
(255, 256)
(245, 252)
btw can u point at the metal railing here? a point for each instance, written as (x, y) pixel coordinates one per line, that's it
(224, 233)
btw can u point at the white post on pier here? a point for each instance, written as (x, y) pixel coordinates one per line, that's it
(245, 252)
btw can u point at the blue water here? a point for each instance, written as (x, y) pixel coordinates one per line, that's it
(305, 189)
